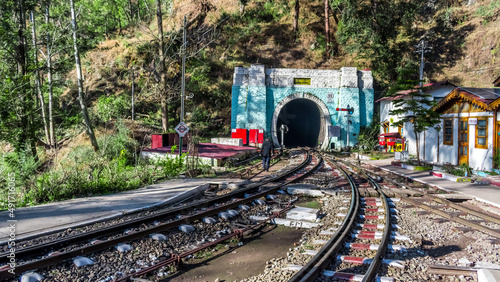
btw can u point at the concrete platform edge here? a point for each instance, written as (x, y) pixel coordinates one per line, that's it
(180, 197)
(442, 188)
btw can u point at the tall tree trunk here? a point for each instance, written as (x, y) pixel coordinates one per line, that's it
(119, 25)
(26, 99)
(53, 139)
(130, 12)
(333, 40)
(88, 125)
(327, 29)
(138, 10)
(133, 98)
(296, 18)
(161, 51)
(37, 78)
(106, 28)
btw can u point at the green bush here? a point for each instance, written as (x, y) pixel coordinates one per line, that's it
(496, 158)
(487, 12)
(457, 170)
(171, 166)
(112, 107)
(85, 172)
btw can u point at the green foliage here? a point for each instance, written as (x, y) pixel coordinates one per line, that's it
(85, 172)
(201, 119)
(368, 136)
(112, 107)
(461, 170)
(496, 158)
(203, 254)
(487, 12)
(313, 205)
(171, 166)
(117, 144)
(448, 18)
(376, 35)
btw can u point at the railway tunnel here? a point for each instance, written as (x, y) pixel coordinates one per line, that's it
(303, 118)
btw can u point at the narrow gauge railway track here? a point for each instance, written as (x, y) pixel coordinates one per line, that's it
(187, 202)
(444, 207)
(329, 253)
(314, 164)
(208, 201)
(231, 197)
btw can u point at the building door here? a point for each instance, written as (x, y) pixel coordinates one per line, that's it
(463, 141)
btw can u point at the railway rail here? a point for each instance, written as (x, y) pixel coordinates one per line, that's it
(355, 250)
(445, 208)
(325, 259)
(233, 199)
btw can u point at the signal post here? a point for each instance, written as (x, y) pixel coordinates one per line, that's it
(349, 111)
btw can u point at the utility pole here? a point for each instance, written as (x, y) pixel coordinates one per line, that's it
(183, 89)
(422, 48)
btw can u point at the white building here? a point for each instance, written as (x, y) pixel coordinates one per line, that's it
(438, 91)
(469, 128)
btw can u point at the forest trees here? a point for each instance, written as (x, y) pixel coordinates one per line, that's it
(373, 30)
(36, 52)
(17, 99)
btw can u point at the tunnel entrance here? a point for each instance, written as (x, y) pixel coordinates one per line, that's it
(302, 116)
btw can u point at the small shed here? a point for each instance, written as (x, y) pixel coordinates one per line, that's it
(391, 141)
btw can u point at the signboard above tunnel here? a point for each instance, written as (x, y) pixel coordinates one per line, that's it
(303, 99)
(302, 81)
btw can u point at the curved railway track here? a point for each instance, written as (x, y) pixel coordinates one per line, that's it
(326, 257)
(210, 207)
(314, 164)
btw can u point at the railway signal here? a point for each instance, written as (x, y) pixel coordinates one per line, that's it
(350, 111)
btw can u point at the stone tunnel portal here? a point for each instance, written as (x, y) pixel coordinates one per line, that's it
(302, 116)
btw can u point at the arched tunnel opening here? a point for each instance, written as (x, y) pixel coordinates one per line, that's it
(302, 116)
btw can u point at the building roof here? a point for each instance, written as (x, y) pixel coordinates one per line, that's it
(416, 88)
(485, 98)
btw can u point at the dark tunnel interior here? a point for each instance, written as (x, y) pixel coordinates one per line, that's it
(303, 119)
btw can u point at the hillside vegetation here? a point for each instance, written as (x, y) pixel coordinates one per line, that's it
(119, 43)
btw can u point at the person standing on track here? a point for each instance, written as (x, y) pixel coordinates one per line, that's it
(266, 152)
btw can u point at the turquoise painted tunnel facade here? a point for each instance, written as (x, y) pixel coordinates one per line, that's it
(260, 96)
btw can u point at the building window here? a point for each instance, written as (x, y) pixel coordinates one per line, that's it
(400, 130)
(482, 133)
(448, 131)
